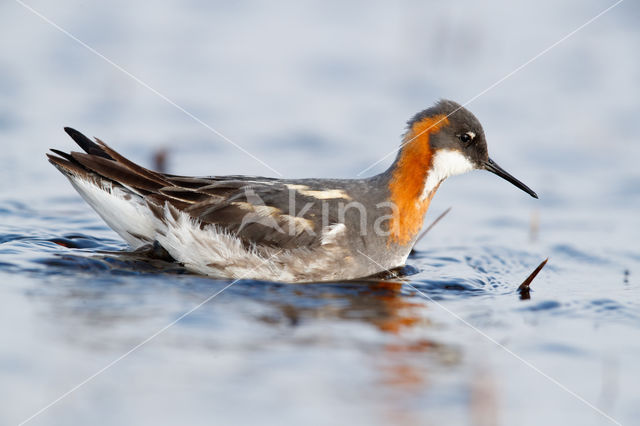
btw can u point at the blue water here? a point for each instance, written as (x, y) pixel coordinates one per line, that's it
(324, 89)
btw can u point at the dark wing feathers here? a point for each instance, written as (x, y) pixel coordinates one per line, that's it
(256, 209)
(160, 200)
(116, 172)
(188, 182)
(184, 194)
(151, 175)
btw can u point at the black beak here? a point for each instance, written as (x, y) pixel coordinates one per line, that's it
(491, 166)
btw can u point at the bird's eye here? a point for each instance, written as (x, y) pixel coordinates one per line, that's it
(467, 137)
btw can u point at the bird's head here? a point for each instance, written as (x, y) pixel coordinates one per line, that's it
(441, 141)
(456, 144)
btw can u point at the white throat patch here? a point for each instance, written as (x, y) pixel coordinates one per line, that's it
(445, 163)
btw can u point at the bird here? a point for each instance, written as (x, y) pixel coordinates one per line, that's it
(283, 230)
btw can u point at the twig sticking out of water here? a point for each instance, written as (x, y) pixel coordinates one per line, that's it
(444, 213)
(523, 289)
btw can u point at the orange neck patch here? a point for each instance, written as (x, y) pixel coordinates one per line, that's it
(408, 179)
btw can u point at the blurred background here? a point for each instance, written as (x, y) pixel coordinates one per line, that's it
(325, 89)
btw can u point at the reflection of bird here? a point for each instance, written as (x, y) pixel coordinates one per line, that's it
(279, 229)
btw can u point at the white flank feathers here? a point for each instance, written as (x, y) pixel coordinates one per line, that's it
(124, 211)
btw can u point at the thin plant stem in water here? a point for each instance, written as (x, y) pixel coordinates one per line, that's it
(524, 288)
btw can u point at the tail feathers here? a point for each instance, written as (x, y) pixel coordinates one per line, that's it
(86, 144)
(68, 166)
(100, 162)
(115, 189)
(101, 149)
(119, 190)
